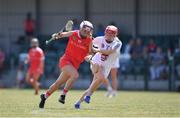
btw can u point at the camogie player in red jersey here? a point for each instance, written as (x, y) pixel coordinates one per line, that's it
(36, 64)
(78, 47)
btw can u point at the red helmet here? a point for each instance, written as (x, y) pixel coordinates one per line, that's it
(111, 30)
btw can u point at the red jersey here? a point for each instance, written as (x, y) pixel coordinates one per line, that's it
(29, 25)
(35, 58)
(152, 48)
(77, 48)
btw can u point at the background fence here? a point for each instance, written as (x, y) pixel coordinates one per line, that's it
(136, 19)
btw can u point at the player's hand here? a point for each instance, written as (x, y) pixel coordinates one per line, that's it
(95, 50)
(55, 36)
(26, 61)
(88, 58)
(90, 35)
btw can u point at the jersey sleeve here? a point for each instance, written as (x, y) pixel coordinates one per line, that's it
(29, 56)
(96, 42)
(41, 55)
(74, 33)
(117, 45)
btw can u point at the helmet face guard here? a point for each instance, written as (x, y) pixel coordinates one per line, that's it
(111, 30)
(86, 28)
(110, 33)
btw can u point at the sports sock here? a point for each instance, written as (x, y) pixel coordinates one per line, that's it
(79, 102)
(89, 93)
(109, 88)
(65, 91)
(47, 94)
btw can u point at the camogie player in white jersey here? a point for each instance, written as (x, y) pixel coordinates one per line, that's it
(107, 50)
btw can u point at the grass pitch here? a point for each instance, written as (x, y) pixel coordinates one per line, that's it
(22, 103)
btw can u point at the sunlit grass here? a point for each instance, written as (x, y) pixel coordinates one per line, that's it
(22, 103)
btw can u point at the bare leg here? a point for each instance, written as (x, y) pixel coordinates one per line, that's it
(97, 80)
(63, 77)
(32, 80)
(81, 99)
(61, 80)
(28, 78)
(73, 76)
(36, 83)
(94, 85)
(108, 85)
(88, 92)
(114, 72)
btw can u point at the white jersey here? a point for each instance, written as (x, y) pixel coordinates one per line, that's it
(107, 61)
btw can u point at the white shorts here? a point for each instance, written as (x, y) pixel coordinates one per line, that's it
(106, 67)
(105, 70)
(116, 64)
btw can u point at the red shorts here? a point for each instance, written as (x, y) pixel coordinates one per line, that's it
(66, 60)
(34, 73)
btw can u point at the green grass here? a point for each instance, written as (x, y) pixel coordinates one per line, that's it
(22, 103)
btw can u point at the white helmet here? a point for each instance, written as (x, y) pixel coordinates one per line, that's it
(112, 29)
(86, 23)
(34, 42)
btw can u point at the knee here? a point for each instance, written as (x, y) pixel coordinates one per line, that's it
(74, 75)
(30, 81)
(56, 84)
(27, 80)
(100, 80)
(100, 77)
(114, 78)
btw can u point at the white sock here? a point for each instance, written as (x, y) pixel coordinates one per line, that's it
(89, 93)
(79, 102)
(109, 88)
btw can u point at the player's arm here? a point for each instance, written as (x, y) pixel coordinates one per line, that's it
(95, 45)
(91, 49)
(90, 54)
(41, 66)
(42, 61)
(62, 35)
(107, 52)
(42, 58)
(26, 61)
